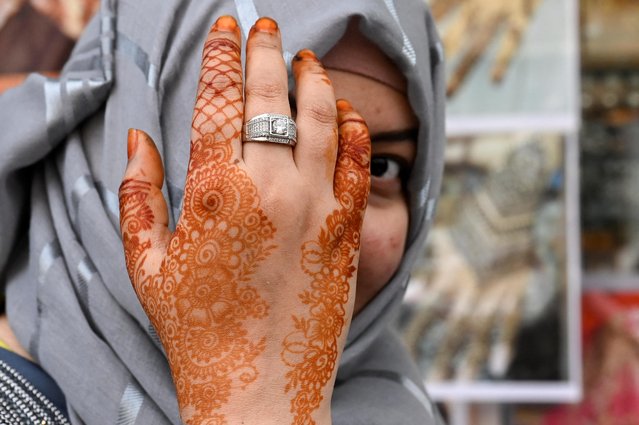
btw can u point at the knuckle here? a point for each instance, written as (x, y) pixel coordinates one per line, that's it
(221, 121)
(323, 112)
(220, 45)
(266, 90)
(323, 148)
(216, 84)
(268, 43)
(313, 71)
(278, 195)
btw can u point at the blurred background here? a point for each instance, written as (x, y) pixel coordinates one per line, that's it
(524, 308)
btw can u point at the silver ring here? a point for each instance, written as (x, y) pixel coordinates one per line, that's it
(272, 128)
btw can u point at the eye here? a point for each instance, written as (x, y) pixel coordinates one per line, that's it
(392, 162)
(388, 167)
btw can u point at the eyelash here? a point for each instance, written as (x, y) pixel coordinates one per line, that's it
(403, 167)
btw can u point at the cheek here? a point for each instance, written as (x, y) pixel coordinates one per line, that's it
(383, 238)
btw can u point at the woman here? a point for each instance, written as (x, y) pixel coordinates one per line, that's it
(68, 297)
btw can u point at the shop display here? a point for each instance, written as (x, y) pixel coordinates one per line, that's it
(474, 27)
(609, 149)
(609, 196)
(511, 62)
(611, 97)
(609, 135)
(609, 34)
(494, 267)
(610, 223)
(611, 363)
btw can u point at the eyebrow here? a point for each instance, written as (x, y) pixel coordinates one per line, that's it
(384, 136)
(395, 136)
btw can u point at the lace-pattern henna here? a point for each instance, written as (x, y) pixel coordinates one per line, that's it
(200, 299)
(311, 351)
(218, 112)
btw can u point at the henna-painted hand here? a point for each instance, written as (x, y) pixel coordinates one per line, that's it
(252, 294)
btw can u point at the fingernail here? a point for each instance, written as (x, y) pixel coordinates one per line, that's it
(225, 23)
(306, 54)
(267, 25)
(132, 143)
(344, 105)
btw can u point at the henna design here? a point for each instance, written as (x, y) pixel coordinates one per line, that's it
(200, 300)
(218, 112)
(311, 350)
(138, 217)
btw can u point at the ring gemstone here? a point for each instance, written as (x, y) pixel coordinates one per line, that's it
(279, 127)
(273, 128)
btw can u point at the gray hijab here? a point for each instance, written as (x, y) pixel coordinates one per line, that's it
(62, 157)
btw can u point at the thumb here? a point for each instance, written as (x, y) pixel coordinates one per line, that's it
(143, 211)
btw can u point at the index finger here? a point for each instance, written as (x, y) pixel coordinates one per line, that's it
(218, 113)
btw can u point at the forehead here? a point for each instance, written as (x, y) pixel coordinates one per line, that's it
(356, 54)
(384, 108)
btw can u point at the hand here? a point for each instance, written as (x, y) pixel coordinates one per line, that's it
(474, 29)
(252, 294)
(495, 264)
(466, 325)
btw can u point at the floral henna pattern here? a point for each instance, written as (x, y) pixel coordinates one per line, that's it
(138, 217)
(200, 298)
(311, 351)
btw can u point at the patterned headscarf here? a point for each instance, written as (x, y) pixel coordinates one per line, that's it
(62, 157)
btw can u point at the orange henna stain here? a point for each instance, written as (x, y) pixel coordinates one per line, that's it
(136, 217)
(323, 76)
(201, 299)
(306, 54)
(329, 154)
(132, 143)
(306, 58)
(222, 236)
(225, 23)
(359, 152)
(344, 105)
(311, 350)
(266, 25)
(218, 108)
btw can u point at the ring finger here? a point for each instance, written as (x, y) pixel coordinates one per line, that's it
(266, 91)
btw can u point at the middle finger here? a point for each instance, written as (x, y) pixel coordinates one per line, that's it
(266, 91)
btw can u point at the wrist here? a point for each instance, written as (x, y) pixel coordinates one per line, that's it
(262, 402)
(257, 413)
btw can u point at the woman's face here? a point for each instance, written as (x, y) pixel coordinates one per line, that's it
(393, 129)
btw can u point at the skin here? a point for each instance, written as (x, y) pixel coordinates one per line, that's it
(387, 112)
(214, 289)
(266, 325)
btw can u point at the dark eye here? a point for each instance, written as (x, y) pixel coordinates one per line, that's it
(388, 167)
